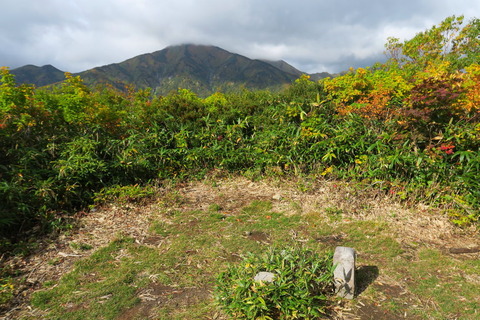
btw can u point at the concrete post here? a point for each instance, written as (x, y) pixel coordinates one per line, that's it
(344, 274)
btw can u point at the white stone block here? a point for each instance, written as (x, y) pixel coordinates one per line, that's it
(344, 274)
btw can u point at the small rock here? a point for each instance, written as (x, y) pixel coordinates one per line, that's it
(264, 276)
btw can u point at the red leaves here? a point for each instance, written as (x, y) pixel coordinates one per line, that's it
(435, 92)
(447, 148)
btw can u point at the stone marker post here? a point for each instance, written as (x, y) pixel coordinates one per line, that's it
(344, 274)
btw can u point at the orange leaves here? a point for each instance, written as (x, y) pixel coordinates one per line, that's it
(470, 100)
(370, 93)
(434, 94)
(373, 104)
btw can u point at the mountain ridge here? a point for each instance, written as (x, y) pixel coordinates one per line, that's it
(203, 69)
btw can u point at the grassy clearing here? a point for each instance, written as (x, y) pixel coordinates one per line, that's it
(169, 272)
(187, 250)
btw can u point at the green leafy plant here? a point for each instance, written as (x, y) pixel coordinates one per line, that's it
(300, 289)
(124, 194)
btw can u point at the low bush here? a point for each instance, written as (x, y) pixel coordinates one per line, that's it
(301, 288)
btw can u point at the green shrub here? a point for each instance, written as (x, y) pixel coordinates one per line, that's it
(300, 290)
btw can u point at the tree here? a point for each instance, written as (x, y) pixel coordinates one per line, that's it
(452, 40)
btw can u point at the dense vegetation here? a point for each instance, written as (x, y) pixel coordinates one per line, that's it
(409, 126)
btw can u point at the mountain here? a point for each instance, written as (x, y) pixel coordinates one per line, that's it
(200, 68)
(39, 76)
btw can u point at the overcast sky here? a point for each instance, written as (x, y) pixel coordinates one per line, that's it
(312, 35)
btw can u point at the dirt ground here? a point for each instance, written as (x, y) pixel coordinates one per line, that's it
(55, 257)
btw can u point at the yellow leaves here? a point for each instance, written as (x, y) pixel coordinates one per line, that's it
(470, 99)
(327, 171)
(361, 159)
(473, 69)
(347, 88)
(361, 72)
(437, 69)
(7, 286)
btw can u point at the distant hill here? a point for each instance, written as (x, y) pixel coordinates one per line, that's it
(202, 69)
(39, 76)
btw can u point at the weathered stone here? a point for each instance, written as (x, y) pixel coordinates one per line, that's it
(344, 274)
(277, 197)
(264, 276)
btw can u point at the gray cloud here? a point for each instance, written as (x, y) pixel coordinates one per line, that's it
(312, 35)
